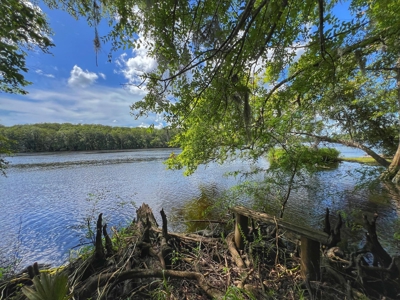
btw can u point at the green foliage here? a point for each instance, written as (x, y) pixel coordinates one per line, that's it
(362, 160)
(48, 287)
(235, 293)
(306, 156)
(176, 257)
(5, 146)
(120, 238)
(353, 219)
(23, 27)
(396, 235)
(83, 253)
(163, 292)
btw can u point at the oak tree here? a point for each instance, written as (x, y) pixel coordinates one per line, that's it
(242, 77)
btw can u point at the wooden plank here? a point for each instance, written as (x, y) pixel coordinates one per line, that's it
(310, 234)
(241, 230)
(310, 259)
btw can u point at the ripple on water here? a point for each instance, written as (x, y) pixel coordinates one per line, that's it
(42, 207)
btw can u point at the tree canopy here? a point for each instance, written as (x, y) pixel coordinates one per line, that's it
(253, 74)
(23, 27)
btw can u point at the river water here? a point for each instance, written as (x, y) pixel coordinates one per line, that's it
(46, 198)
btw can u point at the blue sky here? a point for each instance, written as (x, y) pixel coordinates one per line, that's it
(69, 87)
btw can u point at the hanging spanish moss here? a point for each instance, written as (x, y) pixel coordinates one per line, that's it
(96, 21)
(247, 114)
(96, 42)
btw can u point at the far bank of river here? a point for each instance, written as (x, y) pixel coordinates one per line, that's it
(46, 198)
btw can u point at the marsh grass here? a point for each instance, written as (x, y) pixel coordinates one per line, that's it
(362, 160)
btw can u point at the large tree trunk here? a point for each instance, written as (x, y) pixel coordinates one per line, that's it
(393, 171)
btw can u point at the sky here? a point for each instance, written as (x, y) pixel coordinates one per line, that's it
(68, 86)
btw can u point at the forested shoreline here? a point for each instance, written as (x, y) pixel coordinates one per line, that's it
(51, 137)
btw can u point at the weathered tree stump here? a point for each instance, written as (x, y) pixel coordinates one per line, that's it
(99, 249)
(381, 257)
(334, 234)
(109, 245)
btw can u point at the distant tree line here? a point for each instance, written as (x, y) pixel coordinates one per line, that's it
(48, 137)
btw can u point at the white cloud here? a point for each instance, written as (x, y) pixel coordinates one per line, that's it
(133, 67)
(93, 105)
(40, 72)
(81, 78)
(157, 126)
(102, 75)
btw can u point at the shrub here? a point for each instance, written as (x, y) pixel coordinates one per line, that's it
(303, 155)
(48, 287)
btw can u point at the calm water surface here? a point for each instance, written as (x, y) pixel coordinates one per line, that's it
(45, 198)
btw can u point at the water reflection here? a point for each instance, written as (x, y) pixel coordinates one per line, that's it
(189, 216)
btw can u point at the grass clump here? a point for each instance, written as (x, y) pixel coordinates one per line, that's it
(362, 160)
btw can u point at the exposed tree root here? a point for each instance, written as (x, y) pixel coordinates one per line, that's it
(153, 263)
(103, 279)
(233, 251)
